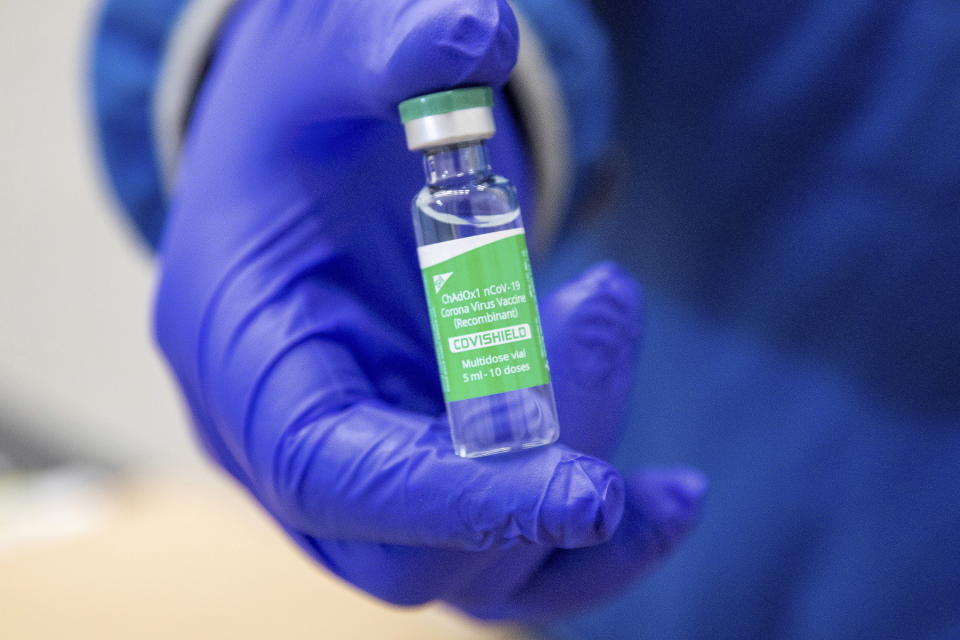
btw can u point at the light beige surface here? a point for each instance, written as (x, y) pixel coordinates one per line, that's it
(195, 560)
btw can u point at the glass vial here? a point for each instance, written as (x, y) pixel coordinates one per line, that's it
(479, 287)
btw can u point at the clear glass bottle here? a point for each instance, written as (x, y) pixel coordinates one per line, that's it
(480, 292)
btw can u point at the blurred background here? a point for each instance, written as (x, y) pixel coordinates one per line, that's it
(78, 372)
(111, 523)
(799, 348)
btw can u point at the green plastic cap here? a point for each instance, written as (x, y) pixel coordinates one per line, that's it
(434, 104)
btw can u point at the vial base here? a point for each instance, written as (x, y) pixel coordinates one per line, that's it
(504, 422)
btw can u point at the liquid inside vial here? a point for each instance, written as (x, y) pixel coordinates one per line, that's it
(482, 304)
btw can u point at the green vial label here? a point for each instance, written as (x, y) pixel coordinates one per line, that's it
(483, 312)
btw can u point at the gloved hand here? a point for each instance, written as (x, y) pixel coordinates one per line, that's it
(290, 308)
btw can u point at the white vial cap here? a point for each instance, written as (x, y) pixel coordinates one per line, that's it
(448, 117)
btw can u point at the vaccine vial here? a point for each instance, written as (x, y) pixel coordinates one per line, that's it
(476, 275)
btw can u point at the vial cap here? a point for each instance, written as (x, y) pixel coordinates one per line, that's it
(448, 117)
(434, 104)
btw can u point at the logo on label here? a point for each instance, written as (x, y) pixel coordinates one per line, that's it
(439, 280)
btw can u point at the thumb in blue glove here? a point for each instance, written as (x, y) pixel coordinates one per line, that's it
(291, 313)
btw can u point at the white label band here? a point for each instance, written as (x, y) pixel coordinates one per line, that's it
(431, 254)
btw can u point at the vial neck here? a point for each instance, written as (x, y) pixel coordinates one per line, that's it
(456, 165)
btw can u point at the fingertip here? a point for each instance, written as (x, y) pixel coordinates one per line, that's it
(594, 324)
(445, 44)
(664, 505)
(614, 281)
(656, 518)
(690, 486)
(603, 284)
(593, 327)
(583, 505)
(484, 35)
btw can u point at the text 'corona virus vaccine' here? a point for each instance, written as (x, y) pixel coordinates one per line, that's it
(476, 274)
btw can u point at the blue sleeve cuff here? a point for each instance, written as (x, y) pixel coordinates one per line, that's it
(579, 54)
(128, 48)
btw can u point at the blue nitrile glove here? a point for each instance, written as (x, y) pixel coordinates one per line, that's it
(291, 309)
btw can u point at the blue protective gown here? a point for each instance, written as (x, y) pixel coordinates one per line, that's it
(792, 204)
(790, 197)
